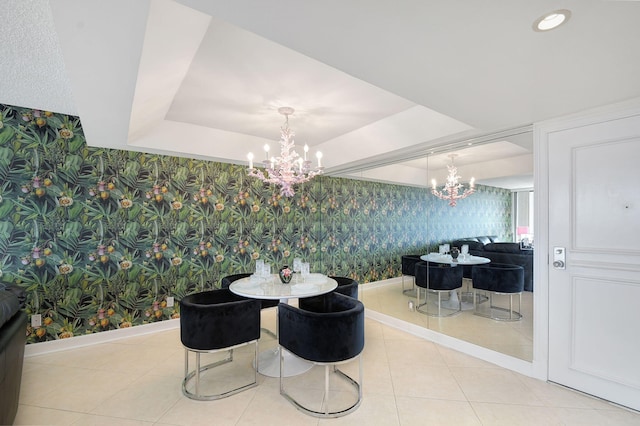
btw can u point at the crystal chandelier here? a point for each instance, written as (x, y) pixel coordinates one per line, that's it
(451, 189)
(288, 169)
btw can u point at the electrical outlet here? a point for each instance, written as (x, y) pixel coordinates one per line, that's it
(36, 320)
(170, 301)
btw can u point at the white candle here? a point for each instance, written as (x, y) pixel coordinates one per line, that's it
(319, 156)
(250, 156)
(300, 162)
(273, 162)
(306, 149)
(433, 182)
(266, 152)
(471, 182)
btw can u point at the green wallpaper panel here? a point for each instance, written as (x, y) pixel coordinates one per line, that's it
(99, 238)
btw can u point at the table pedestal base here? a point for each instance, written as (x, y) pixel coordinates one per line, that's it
(270, 364)
(452, 303)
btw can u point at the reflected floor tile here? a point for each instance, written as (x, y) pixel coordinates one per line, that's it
(517, 337)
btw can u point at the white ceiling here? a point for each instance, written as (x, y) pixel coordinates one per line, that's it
(368, 80)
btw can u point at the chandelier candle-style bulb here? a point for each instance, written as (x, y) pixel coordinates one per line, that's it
(289, 168)
(451, 190)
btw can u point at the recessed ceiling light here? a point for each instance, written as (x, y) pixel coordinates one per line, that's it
(551, 20)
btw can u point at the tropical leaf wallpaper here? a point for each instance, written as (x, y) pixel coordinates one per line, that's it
(99, 238)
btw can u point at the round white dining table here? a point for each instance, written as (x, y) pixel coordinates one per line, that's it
(271, 288)
(464, 260)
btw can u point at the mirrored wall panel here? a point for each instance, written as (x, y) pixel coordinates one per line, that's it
(494, 212)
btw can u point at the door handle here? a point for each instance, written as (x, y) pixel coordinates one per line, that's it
(559, 260)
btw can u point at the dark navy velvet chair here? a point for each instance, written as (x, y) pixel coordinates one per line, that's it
(328, 338)
(498, 279)
(213, 321)
(346, 286)
(408, 263)
(225, 282)
(439, 278)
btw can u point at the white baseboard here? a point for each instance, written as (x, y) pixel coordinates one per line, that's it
(102, 337)
(497, 358)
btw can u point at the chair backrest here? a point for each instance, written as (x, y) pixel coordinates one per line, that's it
(499, 277)
(225, 282)
(409, 264)
(334, 335)
(346, 286)
(441, 276)
(218, 319)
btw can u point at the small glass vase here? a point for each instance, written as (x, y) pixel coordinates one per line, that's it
(455, 253)
(285, 274)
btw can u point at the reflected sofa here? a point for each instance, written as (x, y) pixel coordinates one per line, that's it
(499, 252)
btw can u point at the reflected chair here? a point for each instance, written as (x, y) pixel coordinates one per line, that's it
(409, 269)
(226, 281)
(328, 338)
(498, 279)
(439, 278)
(214, 321)
(346, 286)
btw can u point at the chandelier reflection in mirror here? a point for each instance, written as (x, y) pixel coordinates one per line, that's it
(451, 190)
(289, 168)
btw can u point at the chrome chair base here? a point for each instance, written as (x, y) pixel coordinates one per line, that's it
(269, 332)
(411, 292)
(497, 313)
(449, 311)
(195, 374)
(327, 367)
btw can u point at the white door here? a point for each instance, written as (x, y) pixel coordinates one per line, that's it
(594, 304)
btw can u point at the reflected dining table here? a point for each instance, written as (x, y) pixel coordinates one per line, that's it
(462, 260)
(271, 288)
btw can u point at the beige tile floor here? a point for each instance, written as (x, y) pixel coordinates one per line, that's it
(514, 338)
(407, 381)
